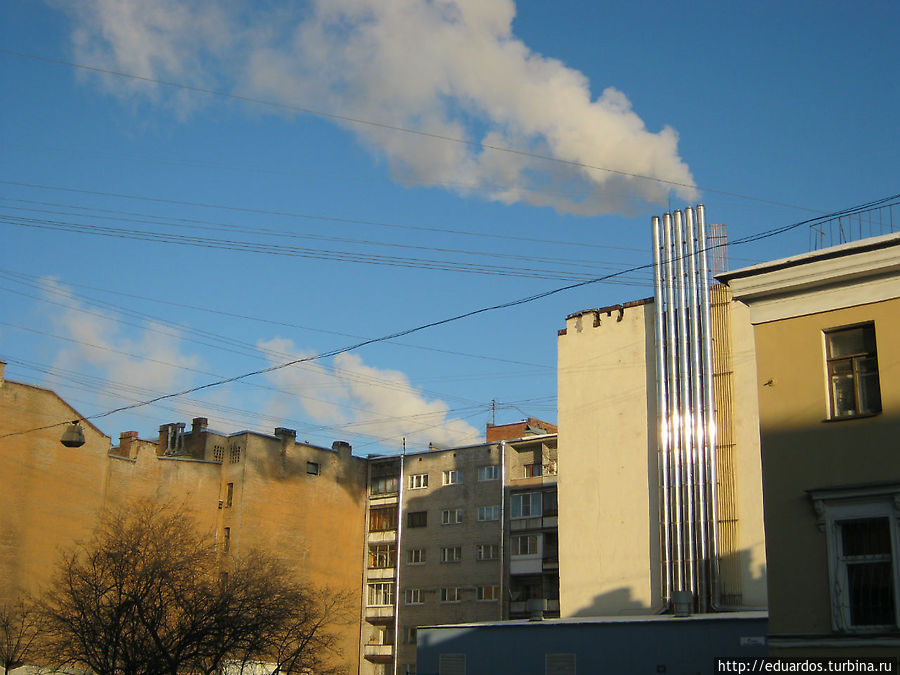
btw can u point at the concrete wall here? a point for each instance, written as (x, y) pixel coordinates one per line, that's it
(609, 489)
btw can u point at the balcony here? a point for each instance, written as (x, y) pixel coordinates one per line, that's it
(379, 613)
(379, 573)
(527, 607)
(379, 653)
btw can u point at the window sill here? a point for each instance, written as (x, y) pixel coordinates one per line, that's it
(846, 418)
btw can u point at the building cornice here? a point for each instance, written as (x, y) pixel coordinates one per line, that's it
(844, 276)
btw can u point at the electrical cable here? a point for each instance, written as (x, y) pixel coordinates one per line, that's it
(433, 324)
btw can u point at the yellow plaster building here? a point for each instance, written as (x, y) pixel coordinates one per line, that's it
(303, 503)
(828, 361)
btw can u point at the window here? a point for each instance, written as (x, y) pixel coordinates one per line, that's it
(413, 596)
(418, 481)
(487, 551)
(525, 544)
(235, 454)
(382, 556)
(415, 556)
(525, 505)
(852, 360)
(486, 593)
(383, 518)
(862, 529)
(219, 453)
(451, 516)
(451, 477)
(488, 513)
(491, 472)
(532, 470)
(409, 635)
(226, 540)
(380, 594)
(382, 635)
(385, 479)
(417, 519)
(451, 594)
(229, 494)
(451, 554)
(312, 468)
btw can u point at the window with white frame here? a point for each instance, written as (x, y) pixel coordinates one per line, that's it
(451, 516)
(862, 529)
(525, 544)
(451, 554)
(491, 472)
(534, 470)
(487, 593)
(486, 513)
(452, 477)
(415, 556)
(852, 361)
(413, 596)
(487, 551)
(451, 594)
(380, 594)
(525, 505)
(418, 481)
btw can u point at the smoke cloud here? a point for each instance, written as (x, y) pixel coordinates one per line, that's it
(450, 69)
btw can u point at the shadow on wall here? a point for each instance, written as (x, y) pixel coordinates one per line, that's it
(733, 569)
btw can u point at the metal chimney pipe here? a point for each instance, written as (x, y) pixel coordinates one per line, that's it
(685, 410)
(674, 417)
(697, 378)
(662, 405)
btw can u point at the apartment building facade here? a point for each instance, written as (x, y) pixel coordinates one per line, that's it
(828, 360)
(458, 535)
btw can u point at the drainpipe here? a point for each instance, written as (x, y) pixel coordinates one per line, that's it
(397, 564)
(502, 528)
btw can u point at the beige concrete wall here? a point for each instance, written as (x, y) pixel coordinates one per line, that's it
(802, 451)
(609, 488)
(609, 560)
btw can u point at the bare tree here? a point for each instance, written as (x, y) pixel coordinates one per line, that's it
(19, 631)
(149, 596)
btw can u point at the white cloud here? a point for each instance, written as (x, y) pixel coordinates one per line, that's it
(449, 68)
(364, 400)
(114, 363)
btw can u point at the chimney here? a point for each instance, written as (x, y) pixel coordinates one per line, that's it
(198, 424)
(126, 444)
(2, 371)
(288, 438)
(342, 448)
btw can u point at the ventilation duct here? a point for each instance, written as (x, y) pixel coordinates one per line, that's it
(687, 429)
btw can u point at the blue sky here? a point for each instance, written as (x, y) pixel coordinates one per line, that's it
(157, 238)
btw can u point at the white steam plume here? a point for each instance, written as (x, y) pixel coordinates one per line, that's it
(449, 68)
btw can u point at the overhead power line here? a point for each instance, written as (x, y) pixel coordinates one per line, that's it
(475, 312)
(390, 127)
